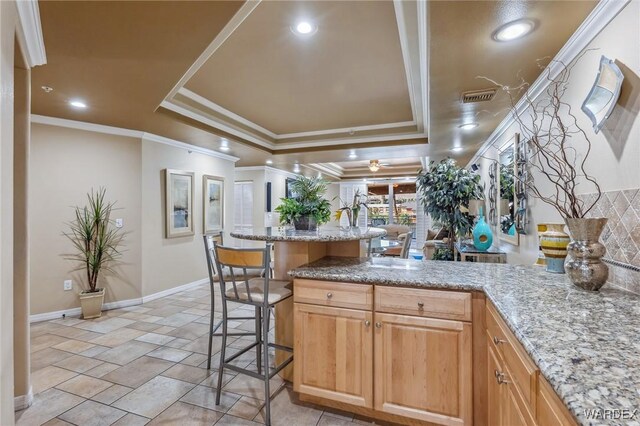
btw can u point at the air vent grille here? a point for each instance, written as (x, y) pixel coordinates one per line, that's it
(478, 96)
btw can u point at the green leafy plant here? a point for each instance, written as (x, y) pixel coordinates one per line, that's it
(507, 179)
(95, 238)
(445, 188)
(442, 253)
(353, 209)
(307, 201)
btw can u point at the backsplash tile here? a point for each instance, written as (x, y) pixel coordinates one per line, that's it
(621, 236)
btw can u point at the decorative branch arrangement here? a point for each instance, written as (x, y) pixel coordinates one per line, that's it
(548, 123)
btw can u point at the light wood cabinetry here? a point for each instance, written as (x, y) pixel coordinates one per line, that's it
(333, 352)
(423, 368)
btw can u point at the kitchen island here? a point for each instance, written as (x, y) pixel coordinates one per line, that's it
(584, 346)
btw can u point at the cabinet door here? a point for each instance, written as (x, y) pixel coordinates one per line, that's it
(333, 350)
(514, 414)
(495, 390)
(423, 368)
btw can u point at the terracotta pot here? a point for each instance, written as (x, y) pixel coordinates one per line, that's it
(91, 303)
(554, 243)
(584, 263)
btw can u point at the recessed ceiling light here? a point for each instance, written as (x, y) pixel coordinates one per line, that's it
(352, 155)
(457, 149)
(224, 145)
(269, 161)
(296, 168)
(468, 126)
(77, 103)
(47, 89)
(304, 28)
(514, 30)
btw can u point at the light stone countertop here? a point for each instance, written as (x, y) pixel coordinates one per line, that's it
(586, 344)
(323, 234)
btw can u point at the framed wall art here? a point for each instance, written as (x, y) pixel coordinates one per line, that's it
(179, 203)
(213, 203)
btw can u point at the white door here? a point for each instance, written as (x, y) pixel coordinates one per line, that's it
(243, 206)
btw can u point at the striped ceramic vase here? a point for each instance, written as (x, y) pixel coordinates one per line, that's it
(554, 243)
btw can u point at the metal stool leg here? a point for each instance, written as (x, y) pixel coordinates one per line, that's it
(222, 351)
(265, 360)
(259, 340)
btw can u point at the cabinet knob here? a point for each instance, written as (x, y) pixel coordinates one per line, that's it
(421, 305)
(329, 295)
(378, 325)
(367, 323)
(500, 378)
(497, 340)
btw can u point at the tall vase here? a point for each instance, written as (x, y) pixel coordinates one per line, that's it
(584, 263)
(554, 243)
(540, 261)
(482, 235)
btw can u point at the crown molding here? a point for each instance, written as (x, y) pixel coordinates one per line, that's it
(406, 56)
(604, 12)
(119, 131)
(325, 168)
(30, 32)
(423, 46)
(346, 130)
(267, 169)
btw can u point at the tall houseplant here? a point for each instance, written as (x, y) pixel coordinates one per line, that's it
(97, 243)
(307, 209)
(445, 188)
(559, 149)
(352, 210)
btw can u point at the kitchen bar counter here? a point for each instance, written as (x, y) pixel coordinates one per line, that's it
(586, 344)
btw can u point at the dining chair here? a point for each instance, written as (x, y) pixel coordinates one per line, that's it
(209, 241)
(406, 244)
(263, 293)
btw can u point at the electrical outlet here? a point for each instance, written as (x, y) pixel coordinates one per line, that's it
(119, 223)
(68, 285)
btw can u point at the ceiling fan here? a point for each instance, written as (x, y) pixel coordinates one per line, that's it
(375, 165)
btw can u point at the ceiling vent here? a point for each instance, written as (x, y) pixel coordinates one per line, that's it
(478, 96)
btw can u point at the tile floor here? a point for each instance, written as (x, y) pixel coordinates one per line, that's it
(147, 364)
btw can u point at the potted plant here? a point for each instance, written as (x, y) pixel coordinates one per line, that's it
(353, 209)
(445, 188)
(97, 244)
(559, 149)
(307, 208)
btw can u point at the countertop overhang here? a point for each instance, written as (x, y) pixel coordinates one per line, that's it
(586, 344)
(322, 234)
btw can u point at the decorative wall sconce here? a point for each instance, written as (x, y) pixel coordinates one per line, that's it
(604, 94)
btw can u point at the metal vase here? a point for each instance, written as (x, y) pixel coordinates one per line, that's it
(584, 263)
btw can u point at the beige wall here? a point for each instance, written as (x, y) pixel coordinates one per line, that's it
(65, 165)
(615, 156)
(168, 263)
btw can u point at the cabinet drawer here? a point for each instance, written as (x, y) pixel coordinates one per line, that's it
(424, 303)
(522, 370)
(343, 295)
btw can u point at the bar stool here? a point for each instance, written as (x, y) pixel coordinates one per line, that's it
(263, 293)
(209, 241)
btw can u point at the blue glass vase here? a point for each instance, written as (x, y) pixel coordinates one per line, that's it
(482, 235)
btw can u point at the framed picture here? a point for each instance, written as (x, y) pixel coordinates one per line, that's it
(288, 193)
(179, 203)
(213, 203)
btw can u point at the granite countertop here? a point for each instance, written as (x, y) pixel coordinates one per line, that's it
(586, 344)
(323, 234)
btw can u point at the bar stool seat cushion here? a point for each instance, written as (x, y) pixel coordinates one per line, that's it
(278, 290)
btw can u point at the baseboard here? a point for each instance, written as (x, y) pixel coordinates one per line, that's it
(75, 312)
(174, 290)
(23, 401)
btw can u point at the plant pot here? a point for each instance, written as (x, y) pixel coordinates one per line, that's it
(584, 263)
(482, 235)
(541, 261)
(305, 223)
(554, 243)
(91, 303)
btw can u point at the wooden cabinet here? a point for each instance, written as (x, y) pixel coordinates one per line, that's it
(495, 392)
(423, 368)
(333, 353)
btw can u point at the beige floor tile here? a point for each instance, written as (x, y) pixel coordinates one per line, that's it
(47, 357)
(169, 354)
(212, 380)
(95, 351)
(49, 377)
(205, 397)
(187, 373)
(105, 326)
(46, 341)
(84, 386)
(57, 422)
(74, 346)
(144, 326)
(201, 345)
(46, 406)
(91, 413)
(101, 370)
(178, 343)
(138, 372)
(326, 420)
(252, 387)
(68, 332)
(339, 414)
(78, 363)
(246, 408)
(177, 320)
(194, 359)
(190, 331)
(118, 337)
(153, 397)
(186, 415)
(287, 410)
(68, 321)
(132, 420)
(165, 310)
(111, 394)
(126, 352)
(196, 311)
(155, 338)
(228, 420)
